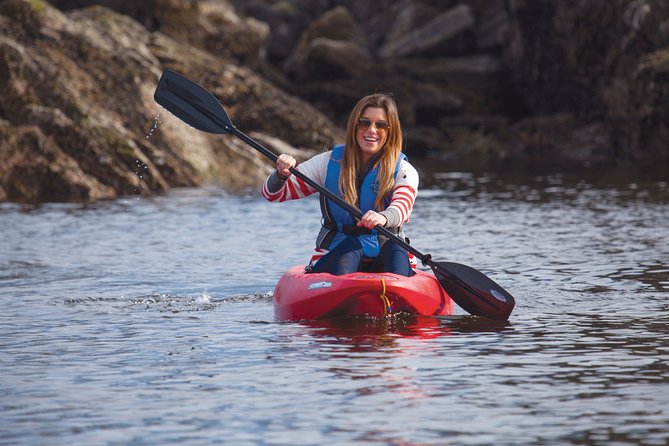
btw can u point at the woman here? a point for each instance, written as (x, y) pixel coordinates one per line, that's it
(370, 172)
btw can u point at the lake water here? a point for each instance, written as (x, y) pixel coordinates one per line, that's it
(149, 321)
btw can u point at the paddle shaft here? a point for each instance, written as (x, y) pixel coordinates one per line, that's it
(354, 211)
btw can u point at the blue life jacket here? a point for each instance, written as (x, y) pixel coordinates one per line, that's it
(337, 222)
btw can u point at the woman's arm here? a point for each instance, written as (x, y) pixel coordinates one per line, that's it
(276, 189)
(401, 201)
(403, 196)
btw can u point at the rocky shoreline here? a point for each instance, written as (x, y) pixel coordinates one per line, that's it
(479, 84)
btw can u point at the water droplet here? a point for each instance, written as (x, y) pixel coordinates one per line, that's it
(156, 120)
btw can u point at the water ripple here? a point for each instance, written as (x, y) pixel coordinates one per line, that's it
(152, 323)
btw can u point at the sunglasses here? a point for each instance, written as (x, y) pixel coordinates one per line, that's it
(365, 123)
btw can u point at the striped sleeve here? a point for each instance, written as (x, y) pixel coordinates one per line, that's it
(405, 191)
(294, 188)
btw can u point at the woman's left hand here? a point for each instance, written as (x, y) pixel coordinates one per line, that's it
(371, 219)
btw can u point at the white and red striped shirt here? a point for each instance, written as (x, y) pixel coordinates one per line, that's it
(401, 200)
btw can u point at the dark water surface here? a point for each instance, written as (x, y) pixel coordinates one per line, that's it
(150, 322)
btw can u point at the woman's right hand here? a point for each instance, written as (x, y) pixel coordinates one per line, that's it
(283, 164)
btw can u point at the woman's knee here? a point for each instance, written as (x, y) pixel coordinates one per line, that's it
(343, 259)
(395, 259)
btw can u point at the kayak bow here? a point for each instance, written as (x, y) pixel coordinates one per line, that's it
(302, 296)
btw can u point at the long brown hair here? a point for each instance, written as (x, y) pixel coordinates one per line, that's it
(352, 163)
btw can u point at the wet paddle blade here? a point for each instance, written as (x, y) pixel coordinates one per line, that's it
(191, 103)
(472, 290)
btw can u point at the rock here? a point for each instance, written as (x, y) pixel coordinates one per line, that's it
(280, 146)
(408, 16)
(442, 70)
(492, 24)
(332, 46)
(286, 22)
(143, 12)
(366, 12)
(430, 103)
(476, 81)
(548, 139)
(589, 59)
(287, 118)
(653, 64)
(35, 169)
(210, 25)
(423, 141)
(484, 124)
(289, 19)
(419, 102)
(331, 59)
(480, 82)
(336, 98)
(216, 27)
(433, 37)
(492, 29)
(77, 93)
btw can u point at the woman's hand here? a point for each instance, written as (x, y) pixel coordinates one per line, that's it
(283, 164)
(371, 219)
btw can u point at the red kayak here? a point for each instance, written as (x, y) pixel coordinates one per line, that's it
(302, 296)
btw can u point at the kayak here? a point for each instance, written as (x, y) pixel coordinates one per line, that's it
(302, 296)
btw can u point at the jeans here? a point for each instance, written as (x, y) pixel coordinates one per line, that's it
(347, 255)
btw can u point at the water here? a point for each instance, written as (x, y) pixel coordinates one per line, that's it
(154, 127)
(152, 323)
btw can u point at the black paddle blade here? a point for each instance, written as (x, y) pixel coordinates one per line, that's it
(191, 103)
(472, 290)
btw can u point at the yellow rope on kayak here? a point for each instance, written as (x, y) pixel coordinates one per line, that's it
(386, 302)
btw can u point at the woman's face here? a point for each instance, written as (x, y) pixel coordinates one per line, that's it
(371, 138)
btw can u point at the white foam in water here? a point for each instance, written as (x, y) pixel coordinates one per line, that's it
(205, 299)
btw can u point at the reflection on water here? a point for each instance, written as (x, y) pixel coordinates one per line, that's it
(153, 324)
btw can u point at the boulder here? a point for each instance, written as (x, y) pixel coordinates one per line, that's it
(331, 59)
(285, 20)
(422, 141)
(438, 36)
(408, 16)
(430, 103)
(481, 82)
(216, 27)
(34, 169)
(492, 24)
(561, 137)
(333, 46)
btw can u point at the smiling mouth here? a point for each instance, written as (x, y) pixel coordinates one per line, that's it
(371, 140)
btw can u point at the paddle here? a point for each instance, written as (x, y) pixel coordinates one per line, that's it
(472, 290)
